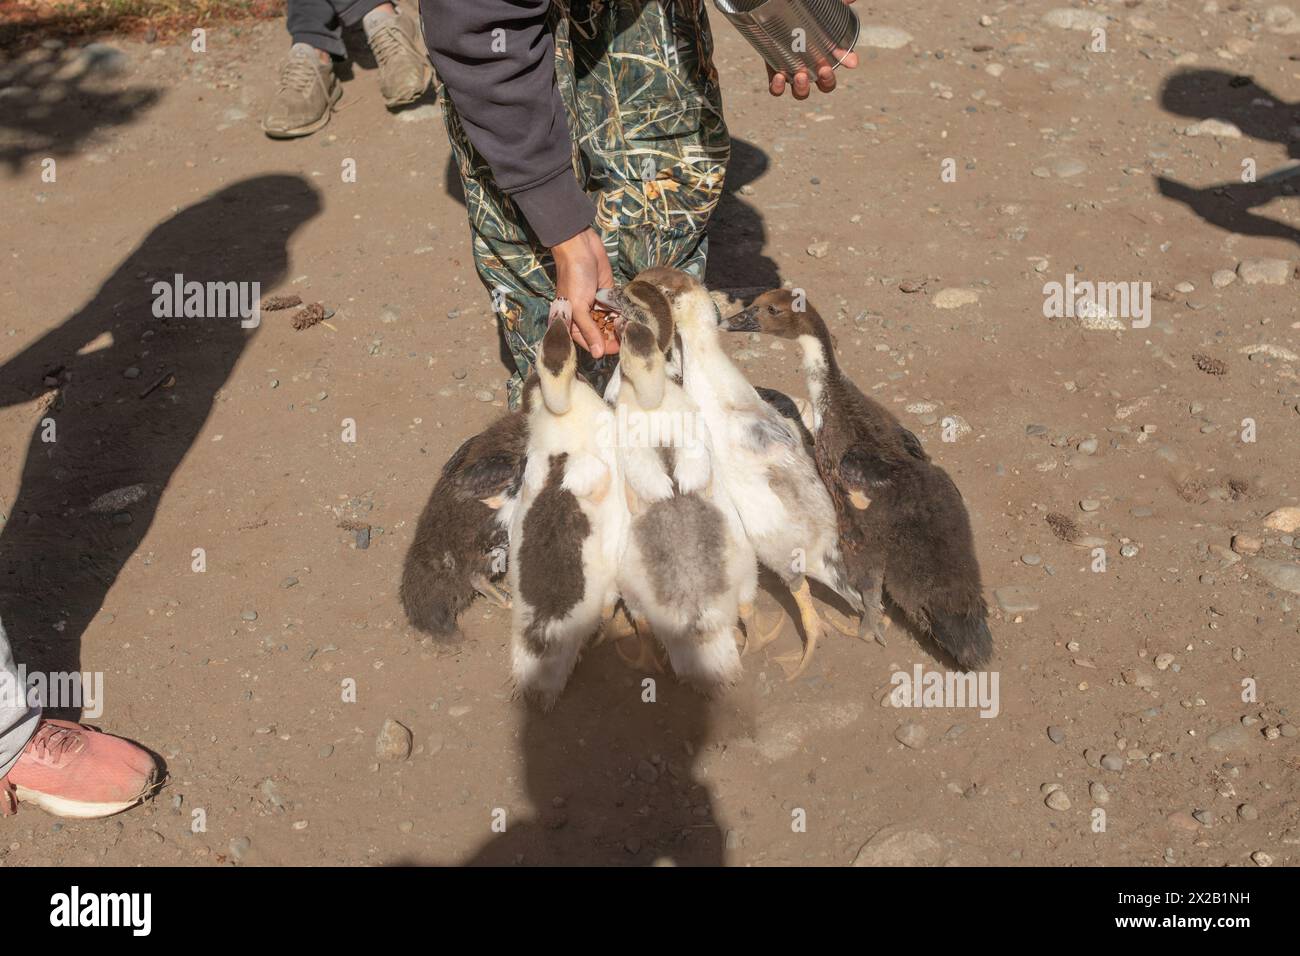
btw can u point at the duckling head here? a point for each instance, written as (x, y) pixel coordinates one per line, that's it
(691, 310)
(557, 368)
(641, 301)
(781, 312)
(643, 364)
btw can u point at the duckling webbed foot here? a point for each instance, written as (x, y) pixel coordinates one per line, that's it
(617, 625)
(874, 621)
(495, 593)
(755, 637)
(647, 652)
(796, 664)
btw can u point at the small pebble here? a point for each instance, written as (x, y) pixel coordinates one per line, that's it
(393, 742)
(911, 735)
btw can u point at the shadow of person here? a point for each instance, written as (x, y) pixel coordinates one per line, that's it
(737, 233)
(614, 780)
(50, 108)
(1214, 94)
(103, 446)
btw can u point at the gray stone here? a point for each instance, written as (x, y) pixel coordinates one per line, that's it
(912, 735)
(1068, 18)
(1264, 271)
(883, 38)
(1015, 599)
(1231, 738)
(894, 846)
(1280, 574)
(118, 498)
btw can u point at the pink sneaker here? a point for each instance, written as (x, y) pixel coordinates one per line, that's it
(74, 771)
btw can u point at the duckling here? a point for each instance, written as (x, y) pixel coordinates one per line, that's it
(902, 520)
(688, 566)
(759, 458)
(460, 540)
(613, 301)
(569, 528)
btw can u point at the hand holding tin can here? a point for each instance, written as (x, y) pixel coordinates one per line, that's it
(801, 41)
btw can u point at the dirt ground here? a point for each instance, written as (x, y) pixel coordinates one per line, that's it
(1066, 160)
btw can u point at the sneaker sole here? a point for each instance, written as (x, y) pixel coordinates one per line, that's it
(310, 127)
(408, 100)
(73, 809)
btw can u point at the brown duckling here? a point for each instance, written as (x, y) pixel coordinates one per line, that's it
(461, 538)
(902, 520)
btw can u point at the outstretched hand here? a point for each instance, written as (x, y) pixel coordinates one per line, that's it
(582, 267)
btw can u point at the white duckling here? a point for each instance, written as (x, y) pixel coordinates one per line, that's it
(761, 460)
(569, 527)
(688, 565)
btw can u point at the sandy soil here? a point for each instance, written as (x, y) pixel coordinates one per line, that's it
(235, 676)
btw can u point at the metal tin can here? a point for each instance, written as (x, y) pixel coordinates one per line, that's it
(794, 35)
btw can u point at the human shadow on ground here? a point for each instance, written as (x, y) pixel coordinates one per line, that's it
(1214, 94)
(117, 397)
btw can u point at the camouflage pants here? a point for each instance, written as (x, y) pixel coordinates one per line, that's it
(649, 147)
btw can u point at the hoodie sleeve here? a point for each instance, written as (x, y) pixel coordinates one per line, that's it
(496, 59)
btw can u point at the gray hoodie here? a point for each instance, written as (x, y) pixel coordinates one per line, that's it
(502, 85)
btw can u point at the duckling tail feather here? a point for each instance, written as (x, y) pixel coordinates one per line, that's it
(965, 636)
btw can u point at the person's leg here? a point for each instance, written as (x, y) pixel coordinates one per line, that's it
(317, 23)
(662, 164)
(307, 89)
(17, 720)
(63, 768)
(393, 34)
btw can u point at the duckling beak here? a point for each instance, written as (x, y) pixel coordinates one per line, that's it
(746, 320)
(611, 300)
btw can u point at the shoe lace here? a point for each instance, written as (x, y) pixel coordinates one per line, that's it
(386, 43)
(298, 75)
(52, 742)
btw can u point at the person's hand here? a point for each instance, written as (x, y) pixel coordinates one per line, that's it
(581, 267)
(801, 84)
